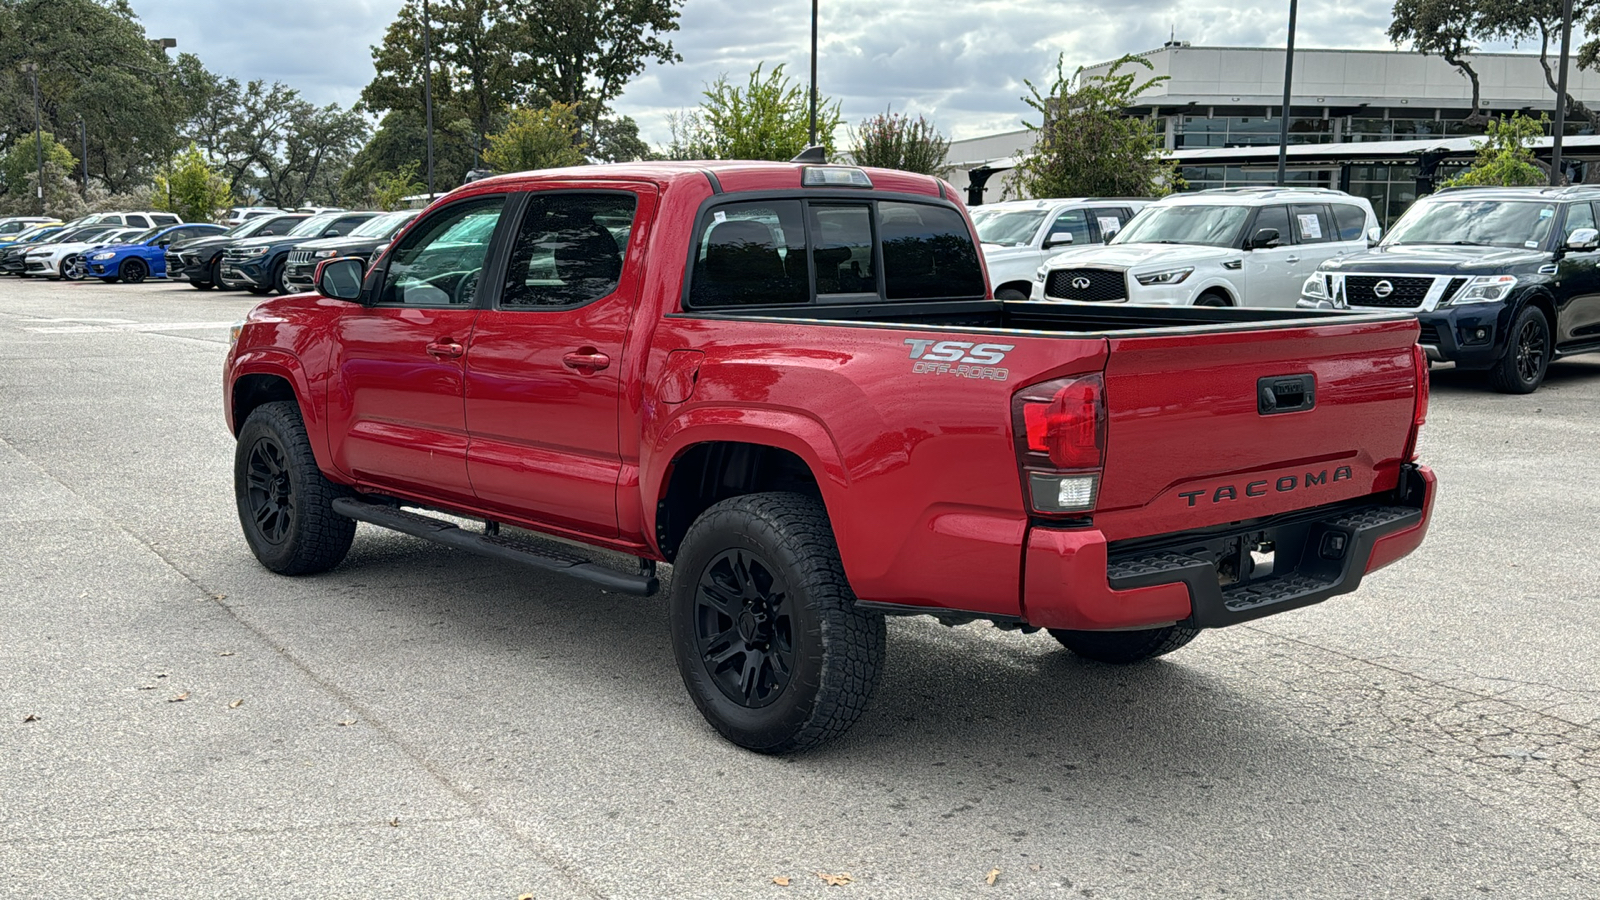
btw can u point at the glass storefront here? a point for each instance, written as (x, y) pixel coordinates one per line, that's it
(1190, 132)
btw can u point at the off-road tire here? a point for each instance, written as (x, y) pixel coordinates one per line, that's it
(309, 537)
(1523, 368)
(835, 649)
(1124, 647)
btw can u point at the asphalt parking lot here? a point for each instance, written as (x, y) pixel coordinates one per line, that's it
(175, 721)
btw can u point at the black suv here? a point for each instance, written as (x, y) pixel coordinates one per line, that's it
(1501, 279)
(257, 264)
(199, 261)
(368, 238)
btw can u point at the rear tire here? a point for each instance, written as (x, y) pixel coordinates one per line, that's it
(1527, 358)
(1123, 647)
(769, 640)
(285, 503)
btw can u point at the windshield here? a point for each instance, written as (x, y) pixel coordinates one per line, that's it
(142, 236)
(78, 234)
(1194, 223)
(384, 225)
(1477, 223)
(1010, 228)
(36, 232)
(314, 225)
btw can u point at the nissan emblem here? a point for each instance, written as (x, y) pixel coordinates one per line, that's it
(1382, 289)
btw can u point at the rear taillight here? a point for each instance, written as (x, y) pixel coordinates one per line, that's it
(1419, 415)
(1060, 429)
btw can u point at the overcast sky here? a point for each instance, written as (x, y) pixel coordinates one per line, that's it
(960, 63)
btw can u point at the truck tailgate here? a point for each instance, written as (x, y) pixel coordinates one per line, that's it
(1192, 443)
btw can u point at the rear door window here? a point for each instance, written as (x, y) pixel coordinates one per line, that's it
(569, 249)
(137, 221)
(752, 254)
(927, 253)
(1352, 221)
(1311, 225)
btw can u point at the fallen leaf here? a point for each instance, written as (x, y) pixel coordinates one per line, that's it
(348, 722)
(219, 596)
(179, 699)
(780, 880)
(236, 704)
(839, 880)
(1035, 867)
(161, 674)
(30, 717)
(394, 822)
(147, 687)
(226, 653)
(993, 874)
(525, 897)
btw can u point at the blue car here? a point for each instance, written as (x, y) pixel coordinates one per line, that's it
(30, 235)
(143, 257)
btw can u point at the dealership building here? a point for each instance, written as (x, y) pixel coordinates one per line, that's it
(1383, 124)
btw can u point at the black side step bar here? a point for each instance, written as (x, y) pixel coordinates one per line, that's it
(496, 546)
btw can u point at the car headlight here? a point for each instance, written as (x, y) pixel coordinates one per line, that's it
(1485, 289)
(1315, 288)
(324, 254)
(1040, 273)
(257, 251)
(1168, 276)
(101, 256)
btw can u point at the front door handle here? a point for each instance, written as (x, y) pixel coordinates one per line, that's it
(445, 348)
(1291, 260)
(587, 360)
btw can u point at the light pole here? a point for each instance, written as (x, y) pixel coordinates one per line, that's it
(1283, 114)
(83, 140)
(1561, 94)
(38, 128)
(813, 132)
(427, 90)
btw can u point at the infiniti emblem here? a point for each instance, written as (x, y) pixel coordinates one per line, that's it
(1080, 283)
(1382, 289)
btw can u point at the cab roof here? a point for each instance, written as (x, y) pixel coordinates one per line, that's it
(723, 176)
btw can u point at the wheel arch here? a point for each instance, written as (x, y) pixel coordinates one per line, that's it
(1023, 286)
(1217, 287)
(713, 462)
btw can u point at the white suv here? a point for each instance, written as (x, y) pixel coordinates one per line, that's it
(1224, 247)
(1017, 235)
(131, 219)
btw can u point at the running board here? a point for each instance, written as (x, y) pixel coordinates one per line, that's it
(492, 545)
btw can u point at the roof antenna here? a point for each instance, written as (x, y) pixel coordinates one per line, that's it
(816, 154)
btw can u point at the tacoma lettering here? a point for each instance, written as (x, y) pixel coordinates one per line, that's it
(1283, 485)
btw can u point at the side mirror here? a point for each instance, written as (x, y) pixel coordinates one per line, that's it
(1374, 234)
(1583, 239)
(1058, 238)
(1265, 237)
(340, 278)
(332, 232)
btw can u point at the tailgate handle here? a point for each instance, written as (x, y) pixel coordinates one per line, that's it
(1285, 393)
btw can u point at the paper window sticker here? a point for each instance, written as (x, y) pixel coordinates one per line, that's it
(1531, 245)
(1109, 225)
(719, 216)
(1310, 225)
(1546, 213)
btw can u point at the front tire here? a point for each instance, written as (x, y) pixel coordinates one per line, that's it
(1527, 359)
(1123, 647)
(133, 271)
(73, 268)
(1011, 294)
(1213, 299)
(769, 640)
(285, 503)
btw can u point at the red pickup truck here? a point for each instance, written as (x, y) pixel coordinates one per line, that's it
(790, 381)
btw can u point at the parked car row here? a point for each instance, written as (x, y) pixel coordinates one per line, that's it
(1501, 280)
(262, 255)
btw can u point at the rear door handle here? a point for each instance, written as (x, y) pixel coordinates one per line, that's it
(445, 348)
(587, 360)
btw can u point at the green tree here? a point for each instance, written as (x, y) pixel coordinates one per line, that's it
(767, 118)
(537, 139)
(1447, 28)
(1523, 20)
(19, 176)
(890, 140)
(617, 140)
(1086, 145)
(1504, 156)
(191, 188)
(390, 189)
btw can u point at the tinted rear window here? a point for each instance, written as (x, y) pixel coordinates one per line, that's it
(1352, 221)
(927, 253)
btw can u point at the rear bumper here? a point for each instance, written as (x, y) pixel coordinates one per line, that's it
(1074, 580)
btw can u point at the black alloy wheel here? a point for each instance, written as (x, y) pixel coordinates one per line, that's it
(134, 270)
(744, 631)
(1523, 368)
(269, 494)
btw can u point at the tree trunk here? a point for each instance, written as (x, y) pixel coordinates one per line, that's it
(1475, 118)
(1574, 105)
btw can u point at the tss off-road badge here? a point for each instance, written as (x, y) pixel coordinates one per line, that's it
(962, 359)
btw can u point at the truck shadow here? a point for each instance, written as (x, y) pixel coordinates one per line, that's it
(1450, 380)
